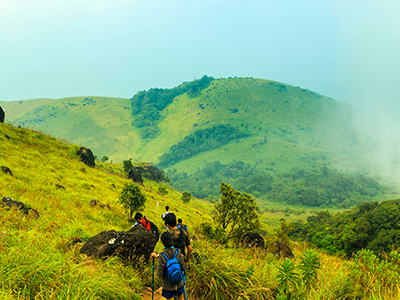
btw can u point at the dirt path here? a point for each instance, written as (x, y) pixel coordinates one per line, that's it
(146, 295)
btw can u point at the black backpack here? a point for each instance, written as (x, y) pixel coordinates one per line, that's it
(154, 229)
(179, 243)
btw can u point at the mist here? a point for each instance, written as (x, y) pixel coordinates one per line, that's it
(370, 64)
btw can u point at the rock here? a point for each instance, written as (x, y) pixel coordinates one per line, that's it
(2, 115)
(283, 250)
(59, 186)
(9, 202)
(135, 244)
(86, 156)
(135, 175)
(93, 202)
(6, 170)
(6, 136)
(150, 172)
(252, 239)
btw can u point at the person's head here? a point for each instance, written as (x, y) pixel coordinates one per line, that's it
(167, 208)
(170, 220)
(166, 239)
(138, 217)
(179, 220)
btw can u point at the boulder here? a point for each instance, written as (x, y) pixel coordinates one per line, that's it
(9, 202)
(135, 244)
(252, 239)
(2, 115)
(283, 250)
(150, 172)
(6, 170)
(135, 175)
(86, 156)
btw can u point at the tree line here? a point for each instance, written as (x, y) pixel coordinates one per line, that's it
(147, 105)
(201, 141)
(315, 188)
(373, 226)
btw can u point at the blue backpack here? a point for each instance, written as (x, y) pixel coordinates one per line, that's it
(174, 271)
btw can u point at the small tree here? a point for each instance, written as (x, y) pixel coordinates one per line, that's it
(128, 166)
(186, 197)
(236, 212)
(132, 198)
(104, 158)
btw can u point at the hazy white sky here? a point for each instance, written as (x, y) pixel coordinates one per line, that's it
(347, 50)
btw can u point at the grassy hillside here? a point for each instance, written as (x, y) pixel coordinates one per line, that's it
(39, 261)
(273, 128)
(37, 258)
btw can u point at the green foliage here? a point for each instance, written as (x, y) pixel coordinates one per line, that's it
(132, 198)
(237, 213)
(147, 105)
(374, 226)
(287, 277)
(201, 141)
(309, 265)
(104, 158)
(128, 166)
(162, 190)
(369, 272)
(186, 197)
(326, 187)
(284, 230)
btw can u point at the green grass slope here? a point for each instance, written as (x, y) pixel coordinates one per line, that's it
(37, 258)
(39, 261)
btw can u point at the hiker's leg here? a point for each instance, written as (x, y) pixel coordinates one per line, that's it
(180, 297)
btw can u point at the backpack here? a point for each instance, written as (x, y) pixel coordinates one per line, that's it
(154, 229)
(174, 271)
(179, 242)
(183, 226)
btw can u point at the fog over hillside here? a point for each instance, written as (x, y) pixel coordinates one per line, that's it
(371, 67)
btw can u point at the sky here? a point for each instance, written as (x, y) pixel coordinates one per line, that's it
(347, 50)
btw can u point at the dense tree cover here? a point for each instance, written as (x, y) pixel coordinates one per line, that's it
(200, 141)
(318, 188)
(147, 105)
(373, 226)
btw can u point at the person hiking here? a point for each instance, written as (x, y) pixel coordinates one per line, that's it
(150, 226)
(180, 238)
(169, 290)
(181, 225)
(138, 218)
(164, 214)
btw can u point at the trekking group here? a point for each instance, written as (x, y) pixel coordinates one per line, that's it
(174, 260)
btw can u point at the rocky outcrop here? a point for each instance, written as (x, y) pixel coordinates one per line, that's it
(10, 203)
(282, 250)
(135, 244)
(6, 170)
(2, 115)
(86, 156)
(136, 176)
(252, 239)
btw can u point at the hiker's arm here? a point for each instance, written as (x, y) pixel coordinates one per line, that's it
(189, 254)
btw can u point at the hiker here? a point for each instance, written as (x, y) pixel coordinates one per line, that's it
(170, 290)
(180, 237)
(181, 225)
(164, 214)
(138, 218)
(150, 226)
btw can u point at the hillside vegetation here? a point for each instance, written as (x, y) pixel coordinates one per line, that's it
(200, 130)
(38, 259)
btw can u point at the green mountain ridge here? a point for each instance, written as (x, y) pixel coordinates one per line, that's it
(278, 127)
